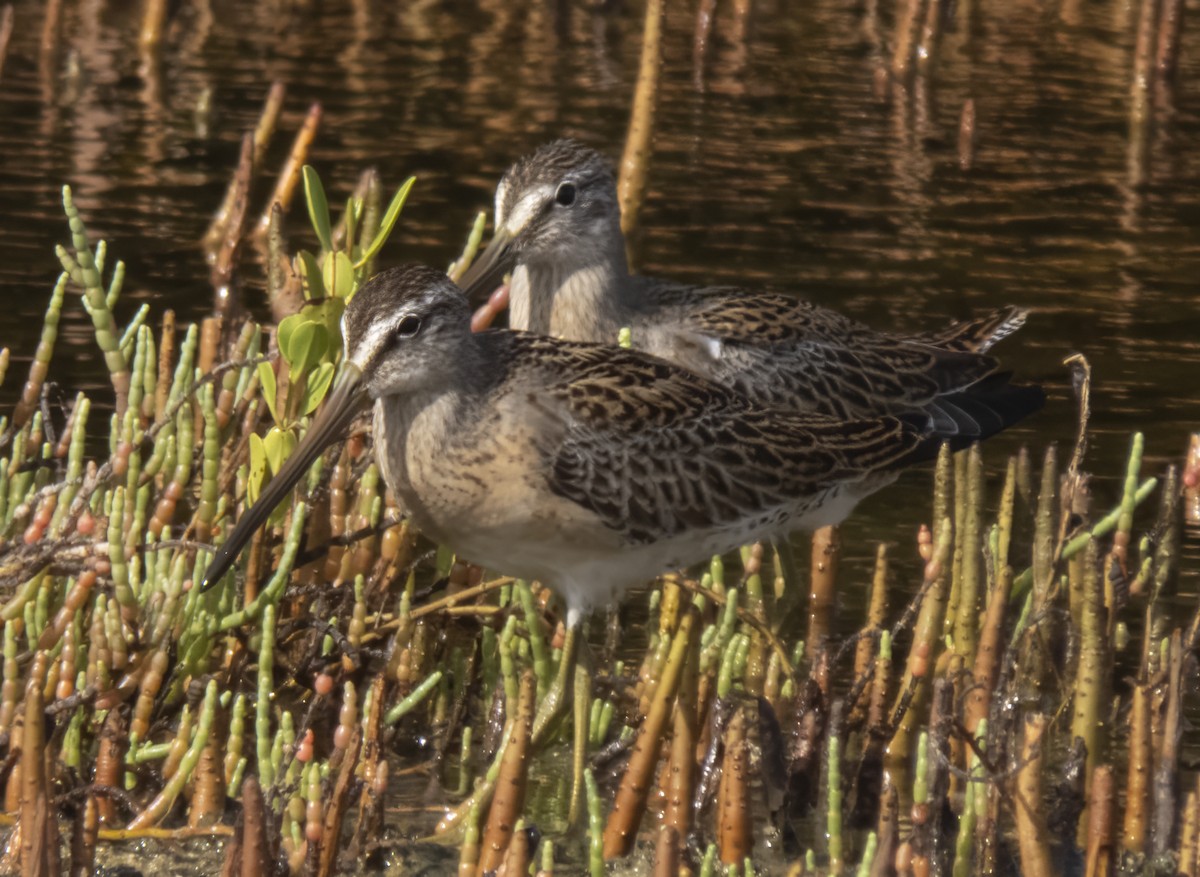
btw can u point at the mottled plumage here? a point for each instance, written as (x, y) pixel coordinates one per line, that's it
(558, 229)
(584, 466)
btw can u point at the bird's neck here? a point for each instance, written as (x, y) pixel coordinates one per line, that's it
(582, 295)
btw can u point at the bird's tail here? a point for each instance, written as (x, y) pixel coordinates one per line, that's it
(978, 335)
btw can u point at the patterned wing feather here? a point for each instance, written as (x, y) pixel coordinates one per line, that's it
(784, 351)
(653, 450)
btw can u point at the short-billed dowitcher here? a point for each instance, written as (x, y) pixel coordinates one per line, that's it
(558, 228)
(584, 466)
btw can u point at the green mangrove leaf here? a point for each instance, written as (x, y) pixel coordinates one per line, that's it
(389, 222)
(354, 208)
(266, 377)
(318, 386)
(318, 208)
(283, 335)
(278, 445)
(306, 347)
(306, 267)
(338, 274)
(258, 468)
(329, 314)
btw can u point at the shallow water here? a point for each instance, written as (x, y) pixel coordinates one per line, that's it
(779, 167)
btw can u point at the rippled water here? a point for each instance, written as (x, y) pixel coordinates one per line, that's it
(782, 168)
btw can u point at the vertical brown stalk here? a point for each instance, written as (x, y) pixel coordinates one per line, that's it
(509, 796)
(1191, 481)
(1031, 830)
(208, 779)
(635, 160)
(735, 835)
(630, 803)
(1088, 720)
(667, 854)
(966, 135)
(1137, 782)
(285, 186)
(826, 550)
(1140, 114)
(704, 22)
(38, 828)
(1100, 819)
(1189, 833)
(681, 779)
(6, 26)
(257, 854)
(865, 649)
(1166, 762)
(907, 18)
(335, 811)
(966, 624)
(987, 658)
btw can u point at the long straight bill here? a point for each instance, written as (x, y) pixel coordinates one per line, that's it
(488, 269)
(346, 399)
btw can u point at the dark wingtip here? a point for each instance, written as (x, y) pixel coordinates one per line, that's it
(961, 419)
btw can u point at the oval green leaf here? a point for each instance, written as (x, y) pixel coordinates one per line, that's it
(389, 222)
(307, 268)
(266, 377)
(318, 208)
(338, 274)
(258, 468)
(317, 386)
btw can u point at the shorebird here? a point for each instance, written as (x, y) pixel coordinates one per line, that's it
(583, 466)
(558, 229)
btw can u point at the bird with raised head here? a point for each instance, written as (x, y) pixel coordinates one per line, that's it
(557, 228)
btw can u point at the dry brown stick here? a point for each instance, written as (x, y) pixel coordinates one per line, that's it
(509, 796)
(1031, 830)
(1189, 833)
(221, 275)
(681, 782)
(635, 160)
(1100, 819)
(967, 135)
(667, 854)
(6, 26)
(630, 802)
(1089, 717)
(704, 22)
(826, 550)
(257, 852)
(1137, 781)
(987, 658)
(261, 139)
(735, 835)
(1166, 762)
(38, 827)
(335, 811)
(285, 186)
(906, 29)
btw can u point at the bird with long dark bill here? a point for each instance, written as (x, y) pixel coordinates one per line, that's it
(586, 467)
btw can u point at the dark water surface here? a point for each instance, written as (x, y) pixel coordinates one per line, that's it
(783, 169)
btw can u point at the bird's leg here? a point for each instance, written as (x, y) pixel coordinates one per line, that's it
(583, 705)
(555, 699)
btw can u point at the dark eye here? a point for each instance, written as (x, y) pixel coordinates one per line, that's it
(408, 327)
(565, 194)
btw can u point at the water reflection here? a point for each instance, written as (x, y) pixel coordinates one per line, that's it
(774, 161)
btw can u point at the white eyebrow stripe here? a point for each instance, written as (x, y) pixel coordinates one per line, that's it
(526, 209)
(501, 190)
(370, 344)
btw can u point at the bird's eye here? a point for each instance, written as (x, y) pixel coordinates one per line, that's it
(565, 194)
(408, 327)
